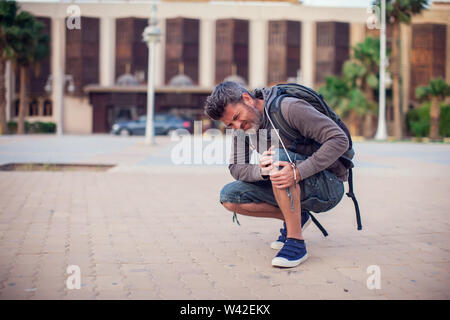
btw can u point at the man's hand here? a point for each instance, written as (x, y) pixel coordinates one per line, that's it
(284, 178)
(266, 161)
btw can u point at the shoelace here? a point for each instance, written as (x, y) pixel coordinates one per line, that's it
(235, 218)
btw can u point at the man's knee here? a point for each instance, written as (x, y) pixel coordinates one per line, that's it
(230, 206)
(228, 196)
(280, 155)
(228, 193)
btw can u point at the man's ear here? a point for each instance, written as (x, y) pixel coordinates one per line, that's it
(247, 98)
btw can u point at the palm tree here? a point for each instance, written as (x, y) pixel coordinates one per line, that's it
(352, 93)
(30, 46)
(8, 12)
(342, 94)
(367, 55)
(397, 12)
(436, 91)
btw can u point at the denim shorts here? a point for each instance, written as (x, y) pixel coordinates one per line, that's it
(319, 193)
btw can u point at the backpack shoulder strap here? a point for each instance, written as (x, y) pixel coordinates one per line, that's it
(281, 123)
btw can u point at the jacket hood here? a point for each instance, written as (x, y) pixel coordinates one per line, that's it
(268, 94)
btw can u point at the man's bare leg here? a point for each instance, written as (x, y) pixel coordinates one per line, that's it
(292, 218)
(261, 210)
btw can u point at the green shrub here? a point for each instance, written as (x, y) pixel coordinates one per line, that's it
(444, 121)
(12, 126)
(418, 120)
(33, 127)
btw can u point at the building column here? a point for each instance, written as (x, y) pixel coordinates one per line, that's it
(357, 34)
(447, 58)
(257, 55)
(308, 52)
(160, 56)
(58, 48)
(40, 106)
(9, 87)
(406, 36)
(206, 53)
(107, 51)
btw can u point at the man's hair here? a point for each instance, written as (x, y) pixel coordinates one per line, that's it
(225, 93)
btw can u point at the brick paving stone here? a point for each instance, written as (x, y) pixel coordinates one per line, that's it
(106, 269)
(299, 292)
(23, 270)
(114, 282)
(356, 274)
(17, 288)
(80, 294)
(54, 282)
(144, 295)
(175, 293)
(270, 293)
(329, 291)
(112, 295)
(140, 282)
(433, 295)
(122, 227)
(239, 293)
(210, 294)
(47, 294)
(196, 281)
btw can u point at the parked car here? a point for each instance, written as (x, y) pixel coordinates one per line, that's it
(164, 124)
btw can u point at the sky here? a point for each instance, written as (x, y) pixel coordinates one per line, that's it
(338, 3)
(327, 3)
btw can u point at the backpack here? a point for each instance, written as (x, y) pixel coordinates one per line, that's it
(316, 100)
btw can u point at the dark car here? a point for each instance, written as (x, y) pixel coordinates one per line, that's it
(164, 124)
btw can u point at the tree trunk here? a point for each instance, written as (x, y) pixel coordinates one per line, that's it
(3, 124)
(368, 126)
(435, 112)
(21, 119)
(368, 116)
(353, 123)
(395, 69)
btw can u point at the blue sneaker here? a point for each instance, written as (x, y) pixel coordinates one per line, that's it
(278, 244)
(291, 255)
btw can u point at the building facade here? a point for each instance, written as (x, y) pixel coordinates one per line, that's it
(204, 43)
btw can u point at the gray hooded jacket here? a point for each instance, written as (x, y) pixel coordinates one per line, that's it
(311, 124)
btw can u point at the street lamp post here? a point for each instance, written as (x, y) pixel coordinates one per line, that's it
(151, 35)
(60, 83)
(381, 129)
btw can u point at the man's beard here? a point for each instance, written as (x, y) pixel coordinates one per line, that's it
(255, 122)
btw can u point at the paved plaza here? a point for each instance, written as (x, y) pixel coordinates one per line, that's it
(148, 229)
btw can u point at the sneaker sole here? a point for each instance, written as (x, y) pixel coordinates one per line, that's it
(285, 263)
(277, 245)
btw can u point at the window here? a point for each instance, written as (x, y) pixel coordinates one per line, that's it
(48, 108)
(33, 109)
(16, 107)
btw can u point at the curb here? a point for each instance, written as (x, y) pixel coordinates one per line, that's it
(408, 139)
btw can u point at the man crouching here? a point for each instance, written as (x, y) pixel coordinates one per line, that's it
(288, 183)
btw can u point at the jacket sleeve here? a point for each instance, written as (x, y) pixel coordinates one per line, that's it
(240, 166)
(317, 126)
